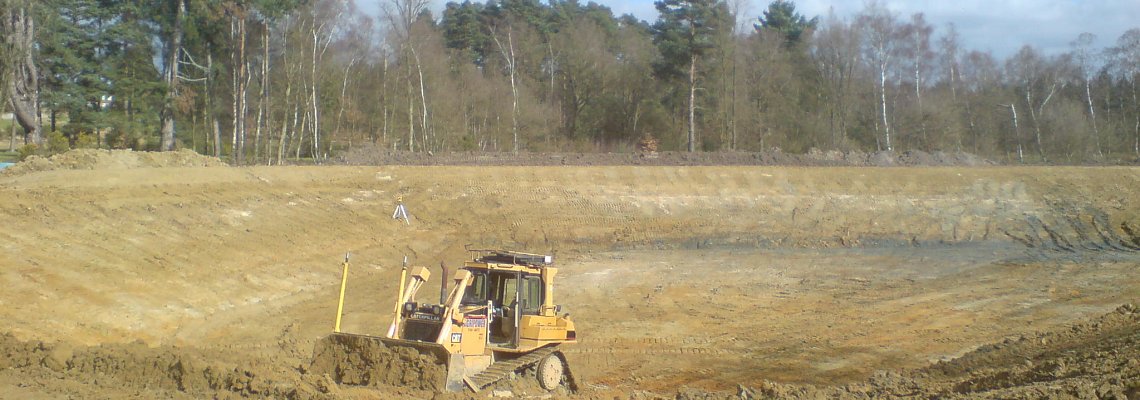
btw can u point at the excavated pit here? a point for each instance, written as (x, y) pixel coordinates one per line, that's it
(172, 279)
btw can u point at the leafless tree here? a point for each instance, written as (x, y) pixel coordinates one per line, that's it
(511, 62)
(401, 16)
(980, 74)
(949, 53)
(1037, 81)
(881, 32)
(738, 10)
(1126, 60)
(1087, 61)
(321, 33)
(949, 50)
(836, 54)
(239, 79)
(581, 74)
(915, 37)
(1016, 130)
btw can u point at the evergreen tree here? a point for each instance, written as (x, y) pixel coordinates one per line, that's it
(781, 17)
(71, 79)
(464, 29)
(685, 34)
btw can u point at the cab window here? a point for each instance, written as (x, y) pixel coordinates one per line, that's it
(476, 292)
(530, 293)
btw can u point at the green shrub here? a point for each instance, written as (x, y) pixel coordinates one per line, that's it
(87, 140)
(57, 143)
(27, 151)
(466, 143)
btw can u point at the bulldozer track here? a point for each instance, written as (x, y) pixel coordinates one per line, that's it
(502, 369)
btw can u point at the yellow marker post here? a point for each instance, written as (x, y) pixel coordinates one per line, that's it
(340, 302)
(392, 330)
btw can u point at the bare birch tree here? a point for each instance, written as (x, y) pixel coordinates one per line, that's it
(880, 31)
(511, 63)
(1086, 63)
(1037, 82)
(263, 99)
(916, 38)
(321, 34)
(401, 15)
(239, 79)
(1016, 130)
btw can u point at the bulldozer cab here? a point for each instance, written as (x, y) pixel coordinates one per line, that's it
(510, 295)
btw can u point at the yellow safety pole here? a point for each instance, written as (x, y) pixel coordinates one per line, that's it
(393, 330)
(340, 302)
(400, 294)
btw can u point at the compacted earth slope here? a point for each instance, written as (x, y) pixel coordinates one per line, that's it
(132, 275)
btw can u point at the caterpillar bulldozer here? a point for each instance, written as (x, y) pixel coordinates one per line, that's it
(498, 318)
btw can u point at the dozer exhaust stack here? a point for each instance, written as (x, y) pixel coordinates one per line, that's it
(442, 284)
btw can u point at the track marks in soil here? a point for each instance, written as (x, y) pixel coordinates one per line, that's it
(1073, 230)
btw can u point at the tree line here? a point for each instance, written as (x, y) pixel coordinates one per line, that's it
(278, 81)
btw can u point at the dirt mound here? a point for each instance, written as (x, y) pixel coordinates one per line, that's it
(112, 160)
(1095, 359)
(161, 372)
(360, 361)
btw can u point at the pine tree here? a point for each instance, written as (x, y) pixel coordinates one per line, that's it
(781, 17)
(685, 34)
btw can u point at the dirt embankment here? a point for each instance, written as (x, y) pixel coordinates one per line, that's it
(112, 160)
(774, 157)
(166, 279)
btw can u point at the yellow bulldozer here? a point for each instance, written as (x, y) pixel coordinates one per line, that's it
(498, 318)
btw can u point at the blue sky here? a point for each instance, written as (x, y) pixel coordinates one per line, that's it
(999, 26)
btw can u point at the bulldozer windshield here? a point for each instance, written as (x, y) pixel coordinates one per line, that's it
(476, 293)
(500, 288)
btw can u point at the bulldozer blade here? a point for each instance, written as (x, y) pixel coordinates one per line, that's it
(432, 349)
(456, 366)
(351, 359)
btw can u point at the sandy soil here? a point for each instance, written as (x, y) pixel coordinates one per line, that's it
(187, 279)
